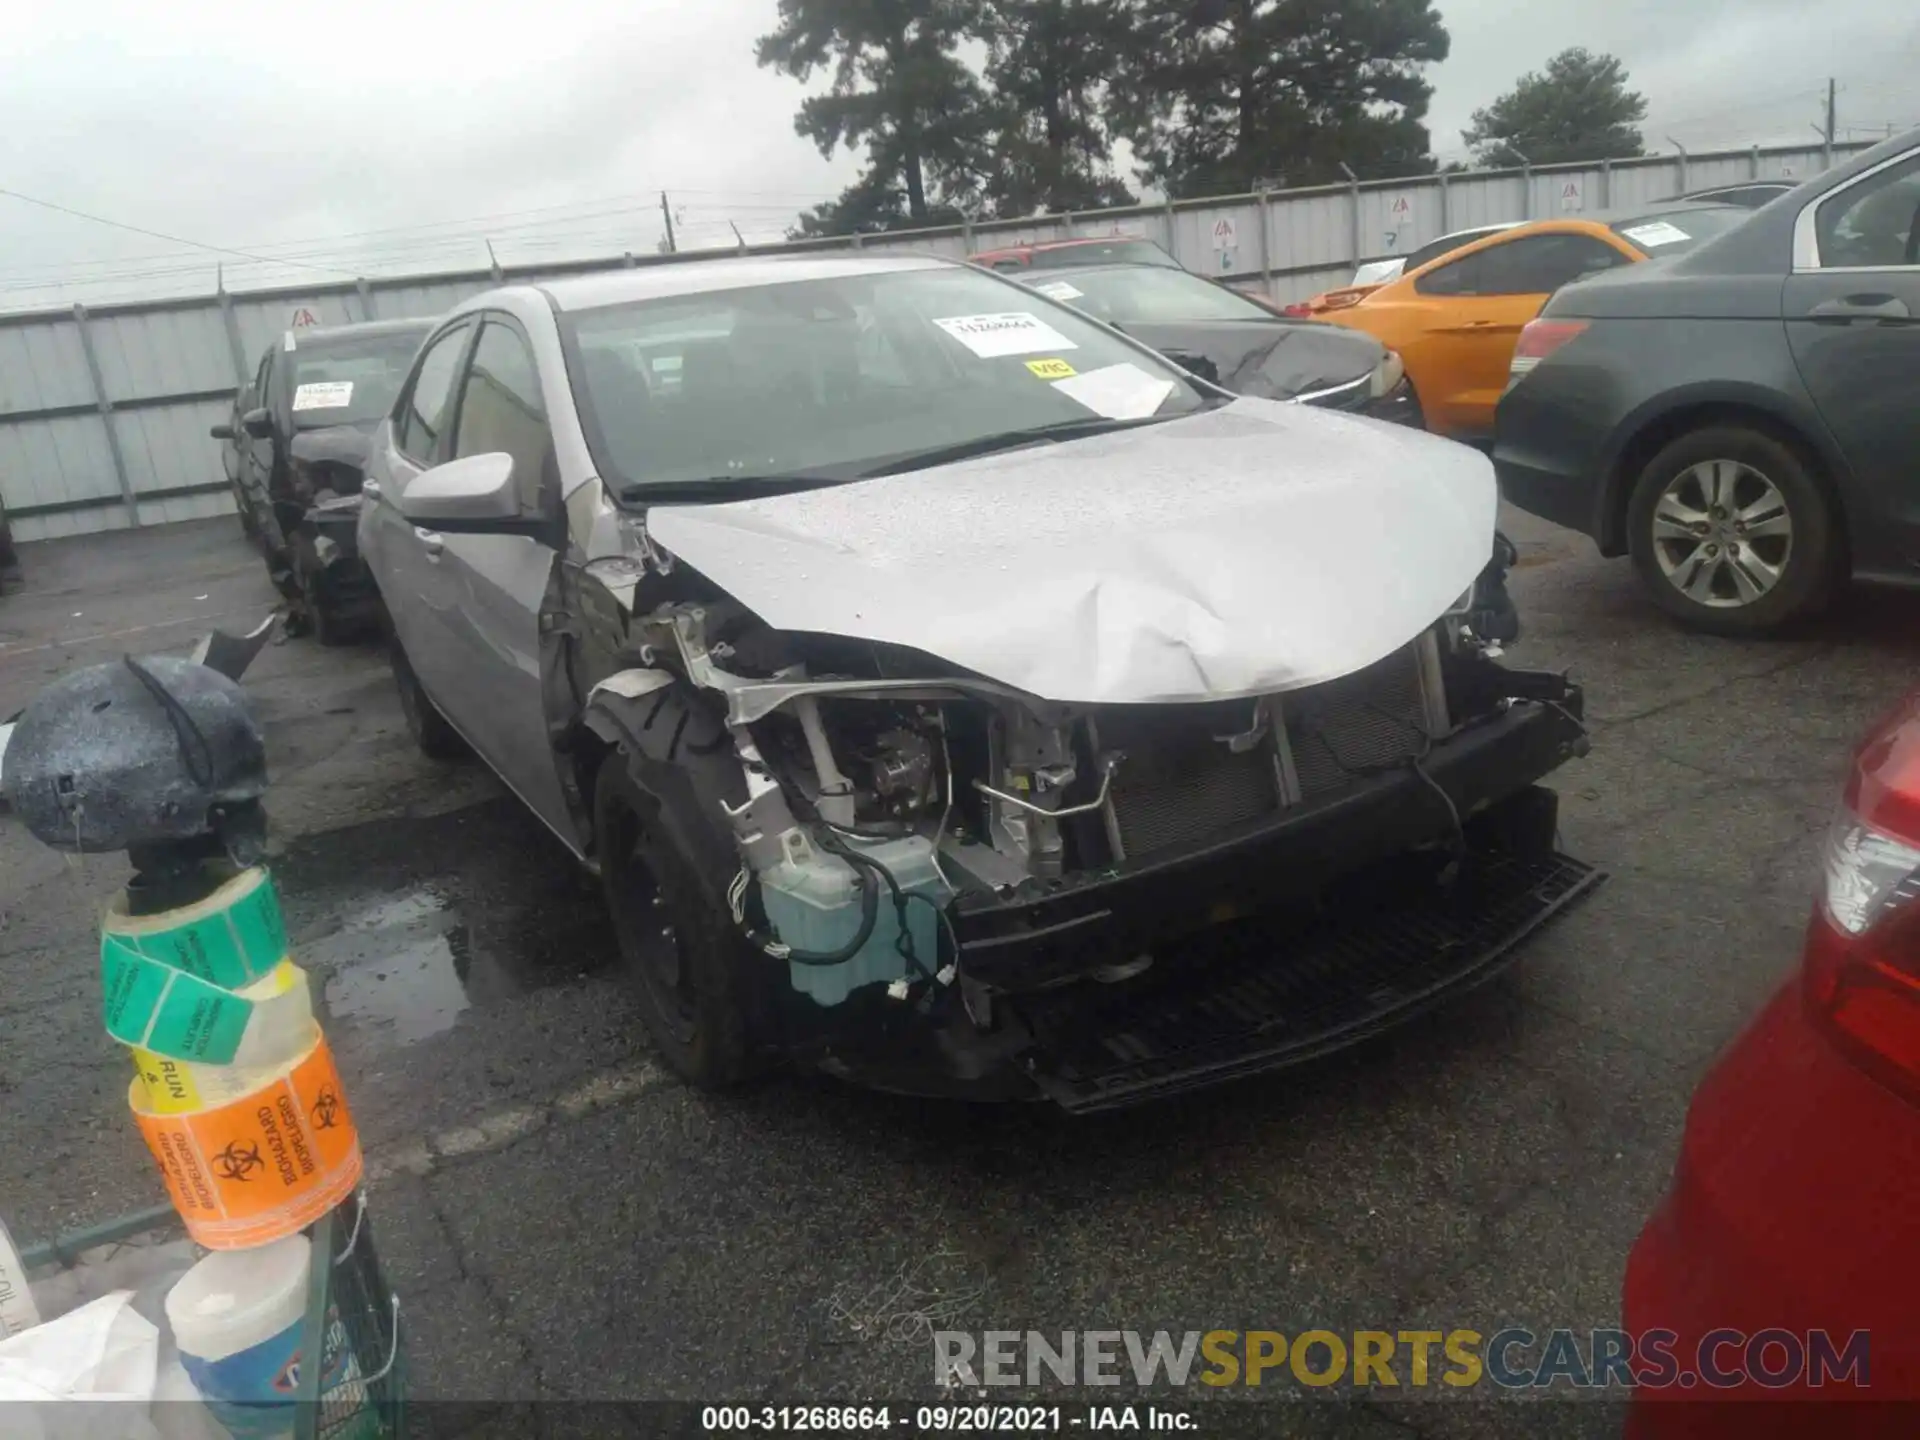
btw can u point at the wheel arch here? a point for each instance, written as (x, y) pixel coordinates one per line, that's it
(1658, 424)
(679, 753)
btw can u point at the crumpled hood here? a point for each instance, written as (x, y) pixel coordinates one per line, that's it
(334, 444)
(1248, 550)
(1274, 360)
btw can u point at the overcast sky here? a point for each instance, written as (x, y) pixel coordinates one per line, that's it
(549, 127)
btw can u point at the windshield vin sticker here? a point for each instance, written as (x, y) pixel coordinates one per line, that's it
(1018, 332)
(323, 395)
(1657, 233)
(1051, 369)
(1059, 290)
(1117, 392)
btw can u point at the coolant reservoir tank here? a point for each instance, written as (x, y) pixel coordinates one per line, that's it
(814, 905)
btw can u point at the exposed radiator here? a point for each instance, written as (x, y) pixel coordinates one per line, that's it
(1179, 782)
(1356, 725)
(1182, 782)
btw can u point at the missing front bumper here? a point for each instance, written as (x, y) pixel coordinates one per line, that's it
(1277, 990)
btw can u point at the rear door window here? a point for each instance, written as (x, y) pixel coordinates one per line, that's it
(1532, 265)
(1875, 224)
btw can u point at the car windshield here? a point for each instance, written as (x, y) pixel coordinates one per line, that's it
(1677, 231)
(846, 376)
(1106, 252)
(1149, 295)
(349, 381)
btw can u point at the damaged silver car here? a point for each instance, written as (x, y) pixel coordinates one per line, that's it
(952, 694)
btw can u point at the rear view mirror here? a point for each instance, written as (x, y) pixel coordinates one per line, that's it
(475, 490)
(257, 423)
(222, 431)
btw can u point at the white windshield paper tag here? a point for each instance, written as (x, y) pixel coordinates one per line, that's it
(1653, 235)
(1117, 392)
(1019, 332)
(1058, 290)
(323, 395)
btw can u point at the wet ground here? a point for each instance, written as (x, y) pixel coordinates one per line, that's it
(564, 1222)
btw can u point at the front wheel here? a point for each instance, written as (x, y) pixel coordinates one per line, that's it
(1732, 531)
(684, 957)
(437, 739)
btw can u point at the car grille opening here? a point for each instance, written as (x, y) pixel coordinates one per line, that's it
(1357, 725)
(1181, 782)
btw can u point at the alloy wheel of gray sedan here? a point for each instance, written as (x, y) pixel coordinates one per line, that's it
(1722, 533)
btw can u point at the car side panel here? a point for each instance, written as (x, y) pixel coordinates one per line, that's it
(1570, 437)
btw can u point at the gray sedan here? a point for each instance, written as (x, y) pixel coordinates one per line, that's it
(1742, 420)
(928, 669)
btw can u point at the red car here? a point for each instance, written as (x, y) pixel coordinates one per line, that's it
(1794, 1212)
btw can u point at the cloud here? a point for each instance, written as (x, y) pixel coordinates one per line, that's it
(550, 128)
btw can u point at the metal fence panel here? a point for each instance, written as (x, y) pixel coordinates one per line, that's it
(42, 367)
(164, 352)
(162, 364)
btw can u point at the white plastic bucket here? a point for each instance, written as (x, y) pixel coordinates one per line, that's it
(236, 1318)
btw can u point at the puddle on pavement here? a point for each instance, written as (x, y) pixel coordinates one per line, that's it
(400, 968)
(399, 962)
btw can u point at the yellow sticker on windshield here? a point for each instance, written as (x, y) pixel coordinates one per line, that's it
(1051, 369)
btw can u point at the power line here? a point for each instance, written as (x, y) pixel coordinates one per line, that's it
(142, 230)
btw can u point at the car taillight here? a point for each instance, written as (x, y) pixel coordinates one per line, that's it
(1540, 339)
(1862, 977)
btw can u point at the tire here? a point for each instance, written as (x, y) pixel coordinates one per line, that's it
(690, 967)
(331, 629)
(1739, 561)
(436, 738)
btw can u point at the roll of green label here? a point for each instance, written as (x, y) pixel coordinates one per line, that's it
(154, 1007)
(230, 939)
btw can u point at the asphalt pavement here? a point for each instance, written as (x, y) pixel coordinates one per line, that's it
(566, 1222)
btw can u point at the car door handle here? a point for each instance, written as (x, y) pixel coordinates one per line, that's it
(370, 489)
(431, 541)
(1861, 309)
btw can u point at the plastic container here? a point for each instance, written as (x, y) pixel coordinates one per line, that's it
(17, 1310)
(237, 1320)
(816, 906)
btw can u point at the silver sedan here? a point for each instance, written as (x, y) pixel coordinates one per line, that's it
(886, 635)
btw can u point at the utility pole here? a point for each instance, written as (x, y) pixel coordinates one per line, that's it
(1826, 151)
(666, 214)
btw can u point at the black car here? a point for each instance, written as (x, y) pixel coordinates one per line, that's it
(233, 461)
(1742, 420)
(299, 456)
(1222, 336)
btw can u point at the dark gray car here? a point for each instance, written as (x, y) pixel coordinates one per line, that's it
(1222, 336)
(1743, 419)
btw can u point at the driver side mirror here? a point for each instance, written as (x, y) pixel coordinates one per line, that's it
(257, 423)
(476, 490)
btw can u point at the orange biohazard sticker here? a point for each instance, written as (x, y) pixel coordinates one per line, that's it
(260, 1166)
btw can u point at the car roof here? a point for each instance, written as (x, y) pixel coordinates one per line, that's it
(694, 277)
(1101, 267)
(367, 330)
(1078, 240)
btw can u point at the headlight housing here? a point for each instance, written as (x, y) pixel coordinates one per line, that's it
(1387, 375)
